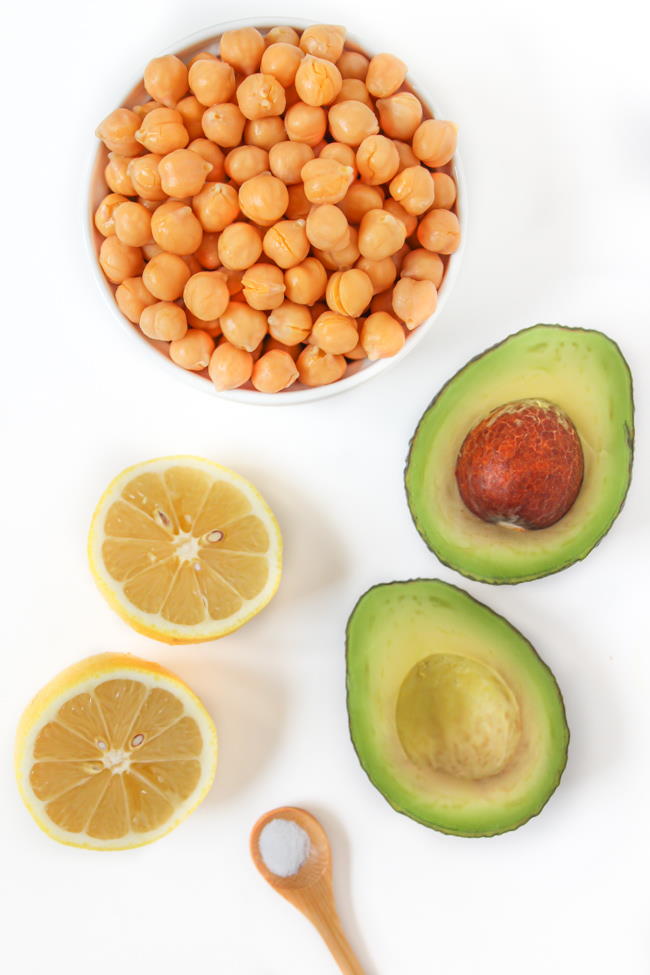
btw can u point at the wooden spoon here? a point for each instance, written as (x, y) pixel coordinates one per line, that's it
(310, 889)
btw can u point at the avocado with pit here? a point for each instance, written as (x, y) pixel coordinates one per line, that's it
(454, 717)
(522, 462)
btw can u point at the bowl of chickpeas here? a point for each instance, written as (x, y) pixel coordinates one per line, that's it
(275, 210)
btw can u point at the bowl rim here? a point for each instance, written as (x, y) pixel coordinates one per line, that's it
(303, 394)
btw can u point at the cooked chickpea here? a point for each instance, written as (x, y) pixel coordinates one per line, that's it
(414, 301)
(434, 142)
(306, 282)
(318, 81)
(326, 180)
(414, 189)
(327, 228)
(286, 160)
(281, 61)
(146, 107)
(299, 206)
(193, 351)
(381, 273)
(341, 258)
(192, 263)
(380, 235)
(224, 124)
(212, 81)
(263, 199)
(230, 367)
(240, 246)
(399, 257)
(144, 175)
(261, 96)
(201, 56)
(306, 123)
(105, 213)
(183, 173)
(165, 79)
(119, 132)
(263, 286)
(386, 74)
(439, 231)
(120, 261)
(165, 276)
(424, 266)
(132, 223)
(406, 155)
(243, 49)
(444, 191)
(286, 243)
(271, 343)
(377, 160)
(282, 35)
(162, 131)
(244, 162)
(117, 176)
(290, 323)
(151, 250)
(382, 302)
(212, 328)
(132, 297)
(216, 206)
(400, 115)
(323, 41)
(164, 321)
(351, 122)
(265, 132)
(232, 278)
(353, 90)
(175, 228)
(191, 111)
(359, 199)
(382, 336)
(349, 292)
(206, 295)
(335, 333)
(352, 64)
(318, 368)
(274, 371)
(212, 154)
(243, 326)
(397, 210)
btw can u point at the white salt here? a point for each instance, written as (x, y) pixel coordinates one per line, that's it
(284, 847)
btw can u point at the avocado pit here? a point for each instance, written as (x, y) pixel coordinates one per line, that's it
(521, 466)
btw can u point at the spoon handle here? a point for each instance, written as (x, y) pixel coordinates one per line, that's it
(319, 907)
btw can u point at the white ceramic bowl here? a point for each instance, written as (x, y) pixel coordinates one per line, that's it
(358, 372)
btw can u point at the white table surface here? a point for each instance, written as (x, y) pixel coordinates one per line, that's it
(552, 103)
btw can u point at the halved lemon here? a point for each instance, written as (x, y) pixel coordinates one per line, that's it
(185, 550)
(114, 753)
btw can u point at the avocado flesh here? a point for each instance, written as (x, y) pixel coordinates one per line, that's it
(396, 627)
(582, 372)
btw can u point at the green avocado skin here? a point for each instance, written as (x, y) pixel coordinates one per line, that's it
(362, 668)
(426, 523)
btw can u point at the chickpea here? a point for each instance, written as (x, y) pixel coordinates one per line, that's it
(318, 81)
(263, 286)
(165, 276)
(192, 263)
(439, 231)
(224, 124)
(230, 367)
(175, 228)
(299, 206)
(191, 111)
(351, 122)
(271, 343)
(341, 258)
(306, 123)
(306, 282)
(261, 96)
(352, 64)
(212, 154)
(444, 191)
(164, 322)
(397, 210)
(117, 176)
(382, 336)
(386, 74)
(274, 371)
(381, 273)
(434, 142)
(286, 160)
(414, 189)
(162, 131)
(382, 302)
(119, 131)
(380, 234)
(263, 199)
(132, 298)
(359, 199)
(286, 243)
(327, 228)
(211, 328)
(335, 333)
(399, 257)
(414, 301)
(424, 266)
(377, 160)
(406, 155)
(341, 153)
(265, 132)
(144, 175)
(323, 41)
(165, 79)
(151, 250)
(349, 292)
(105, 213)
(242, 49)
(354, 90)
(290, 323)
(281, 61)
(132, 224)
(146, 107)
(216, 206)
(193, 351)
(318, 368)
(233, 279)
(282, 35)
(244, 162)
(400, 115)
(243, 326)
(201, 56)
(240, 246)
(212, 82)
(326, 180)
(183, 173)
(120, 261)
(208, 253)
(206, 295)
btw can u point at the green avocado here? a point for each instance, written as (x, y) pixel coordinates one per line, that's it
(454, 717)
(584, 373)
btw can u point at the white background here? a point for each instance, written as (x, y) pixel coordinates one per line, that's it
(553, 107)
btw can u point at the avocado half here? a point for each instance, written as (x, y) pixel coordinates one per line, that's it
(454, 717)
(581, 371)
